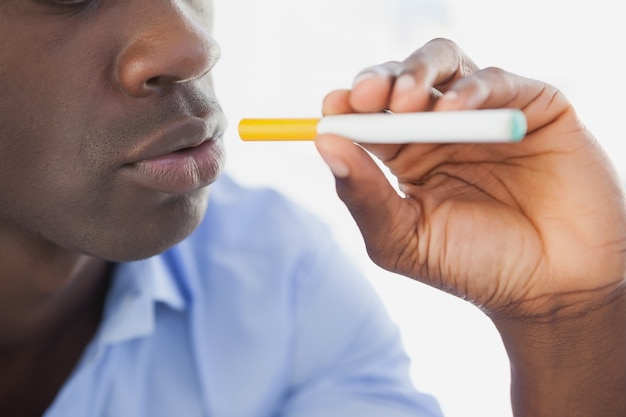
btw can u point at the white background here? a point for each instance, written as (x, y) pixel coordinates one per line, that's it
(281, 57)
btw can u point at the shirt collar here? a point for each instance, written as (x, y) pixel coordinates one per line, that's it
(135, 290)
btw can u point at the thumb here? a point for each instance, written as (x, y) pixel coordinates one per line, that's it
(373, 202)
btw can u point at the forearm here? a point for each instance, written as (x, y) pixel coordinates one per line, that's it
(569, 366)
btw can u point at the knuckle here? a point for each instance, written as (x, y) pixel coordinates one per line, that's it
(495, 72)
(445, 42)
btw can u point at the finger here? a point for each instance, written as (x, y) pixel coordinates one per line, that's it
(372, 87)
(436, 65)
(411, 85)
(338, 102)
(496, 88)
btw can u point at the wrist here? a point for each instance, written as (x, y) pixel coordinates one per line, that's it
(572, 361)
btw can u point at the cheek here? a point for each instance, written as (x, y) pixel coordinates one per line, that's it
(35, 152)
(49, 177)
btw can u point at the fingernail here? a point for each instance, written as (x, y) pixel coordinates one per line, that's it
(362, 77)
(371, 72)
(404, 82)
(337, 166)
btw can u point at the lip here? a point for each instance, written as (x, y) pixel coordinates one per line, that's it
(185, 156)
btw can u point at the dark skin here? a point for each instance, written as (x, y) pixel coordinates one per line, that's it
(533, 233)
(110, 134)
(44, 345)
(110, 138)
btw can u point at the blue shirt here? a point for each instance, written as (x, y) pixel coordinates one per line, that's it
(256, 314)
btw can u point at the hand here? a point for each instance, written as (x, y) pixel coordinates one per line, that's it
(530, 229)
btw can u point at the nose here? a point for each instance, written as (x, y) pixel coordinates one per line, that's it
(167, 47)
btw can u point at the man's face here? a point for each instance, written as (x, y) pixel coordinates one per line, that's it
(109, 128)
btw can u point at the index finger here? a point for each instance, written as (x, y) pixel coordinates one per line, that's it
(436, 65)
(338, 102)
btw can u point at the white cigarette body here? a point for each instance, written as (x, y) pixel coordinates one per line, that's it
(501, 125)
(473, 126)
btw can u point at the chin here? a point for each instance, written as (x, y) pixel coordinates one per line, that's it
(150, 234)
